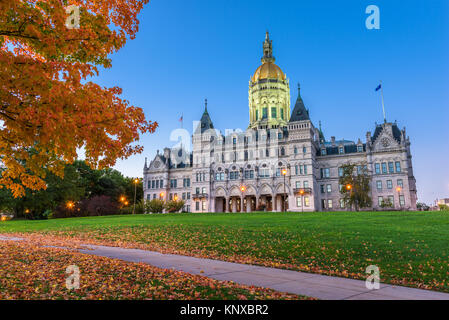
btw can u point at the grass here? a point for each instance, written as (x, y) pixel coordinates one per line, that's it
(410, 248)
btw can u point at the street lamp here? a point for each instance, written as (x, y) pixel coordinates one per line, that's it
(161, 195)
(398, 189)
(284, 173)
(136, 181)
(243, 189)
(301, 192)
(349, 188)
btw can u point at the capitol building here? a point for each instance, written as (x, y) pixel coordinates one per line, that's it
(282, 162)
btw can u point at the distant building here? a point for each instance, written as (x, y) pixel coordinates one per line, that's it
(244, 171)
(444, 201)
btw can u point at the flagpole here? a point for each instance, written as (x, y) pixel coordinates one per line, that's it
(383, 105)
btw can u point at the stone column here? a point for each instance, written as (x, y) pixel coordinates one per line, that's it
(273, 202)
(248, 204)
(226, 204)
(242, 204)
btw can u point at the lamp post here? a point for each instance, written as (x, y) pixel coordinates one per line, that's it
(242, 189)
(349, 188)
(136, 181)
(398, 189)
(301, 192)
(284, 173)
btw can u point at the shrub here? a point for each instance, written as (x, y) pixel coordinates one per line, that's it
(154, 206)
(386, 203)
(126, 210)
(443, 207)
(174, 205)
(101, 206)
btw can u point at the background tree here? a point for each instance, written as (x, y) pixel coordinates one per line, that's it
(357, 176)
(79, 184)
(46, 100)
(102, 205)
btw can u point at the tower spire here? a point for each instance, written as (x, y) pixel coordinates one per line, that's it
(205, 105)
(267, 49)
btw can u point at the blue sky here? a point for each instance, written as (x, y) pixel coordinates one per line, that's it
(187, 51)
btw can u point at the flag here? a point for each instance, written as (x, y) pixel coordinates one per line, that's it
(180, 119)
(378, 87)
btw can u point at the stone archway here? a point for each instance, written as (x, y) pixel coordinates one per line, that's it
(220, 200)
(266, 197)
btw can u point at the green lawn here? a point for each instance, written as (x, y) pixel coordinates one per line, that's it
(410, 248)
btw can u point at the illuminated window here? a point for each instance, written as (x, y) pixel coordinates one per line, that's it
(380, 201)
(306, 201)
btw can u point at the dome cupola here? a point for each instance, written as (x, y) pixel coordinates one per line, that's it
(269, 92)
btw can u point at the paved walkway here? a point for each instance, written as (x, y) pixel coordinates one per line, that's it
(309, 284)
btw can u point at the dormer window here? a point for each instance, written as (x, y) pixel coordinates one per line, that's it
(359, 148)
(341, 150)
(323, 152)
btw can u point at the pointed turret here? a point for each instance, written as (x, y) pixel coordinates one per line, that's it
(205, 122)
(300, 112)
(322, 139)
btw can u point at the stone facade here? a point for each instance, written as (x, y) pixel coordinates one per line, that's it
(282, 162)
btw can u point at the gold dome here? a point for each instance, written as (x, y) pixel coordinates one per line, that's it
(268, 70)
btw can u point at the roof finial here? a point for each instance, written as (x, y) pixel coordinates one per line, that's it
(319, 124)
(205, 104)
(299, 88)
(267, 49)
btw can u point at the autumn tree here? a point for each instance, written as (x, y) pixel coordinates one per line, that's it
(47, 102)
(355, 183)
